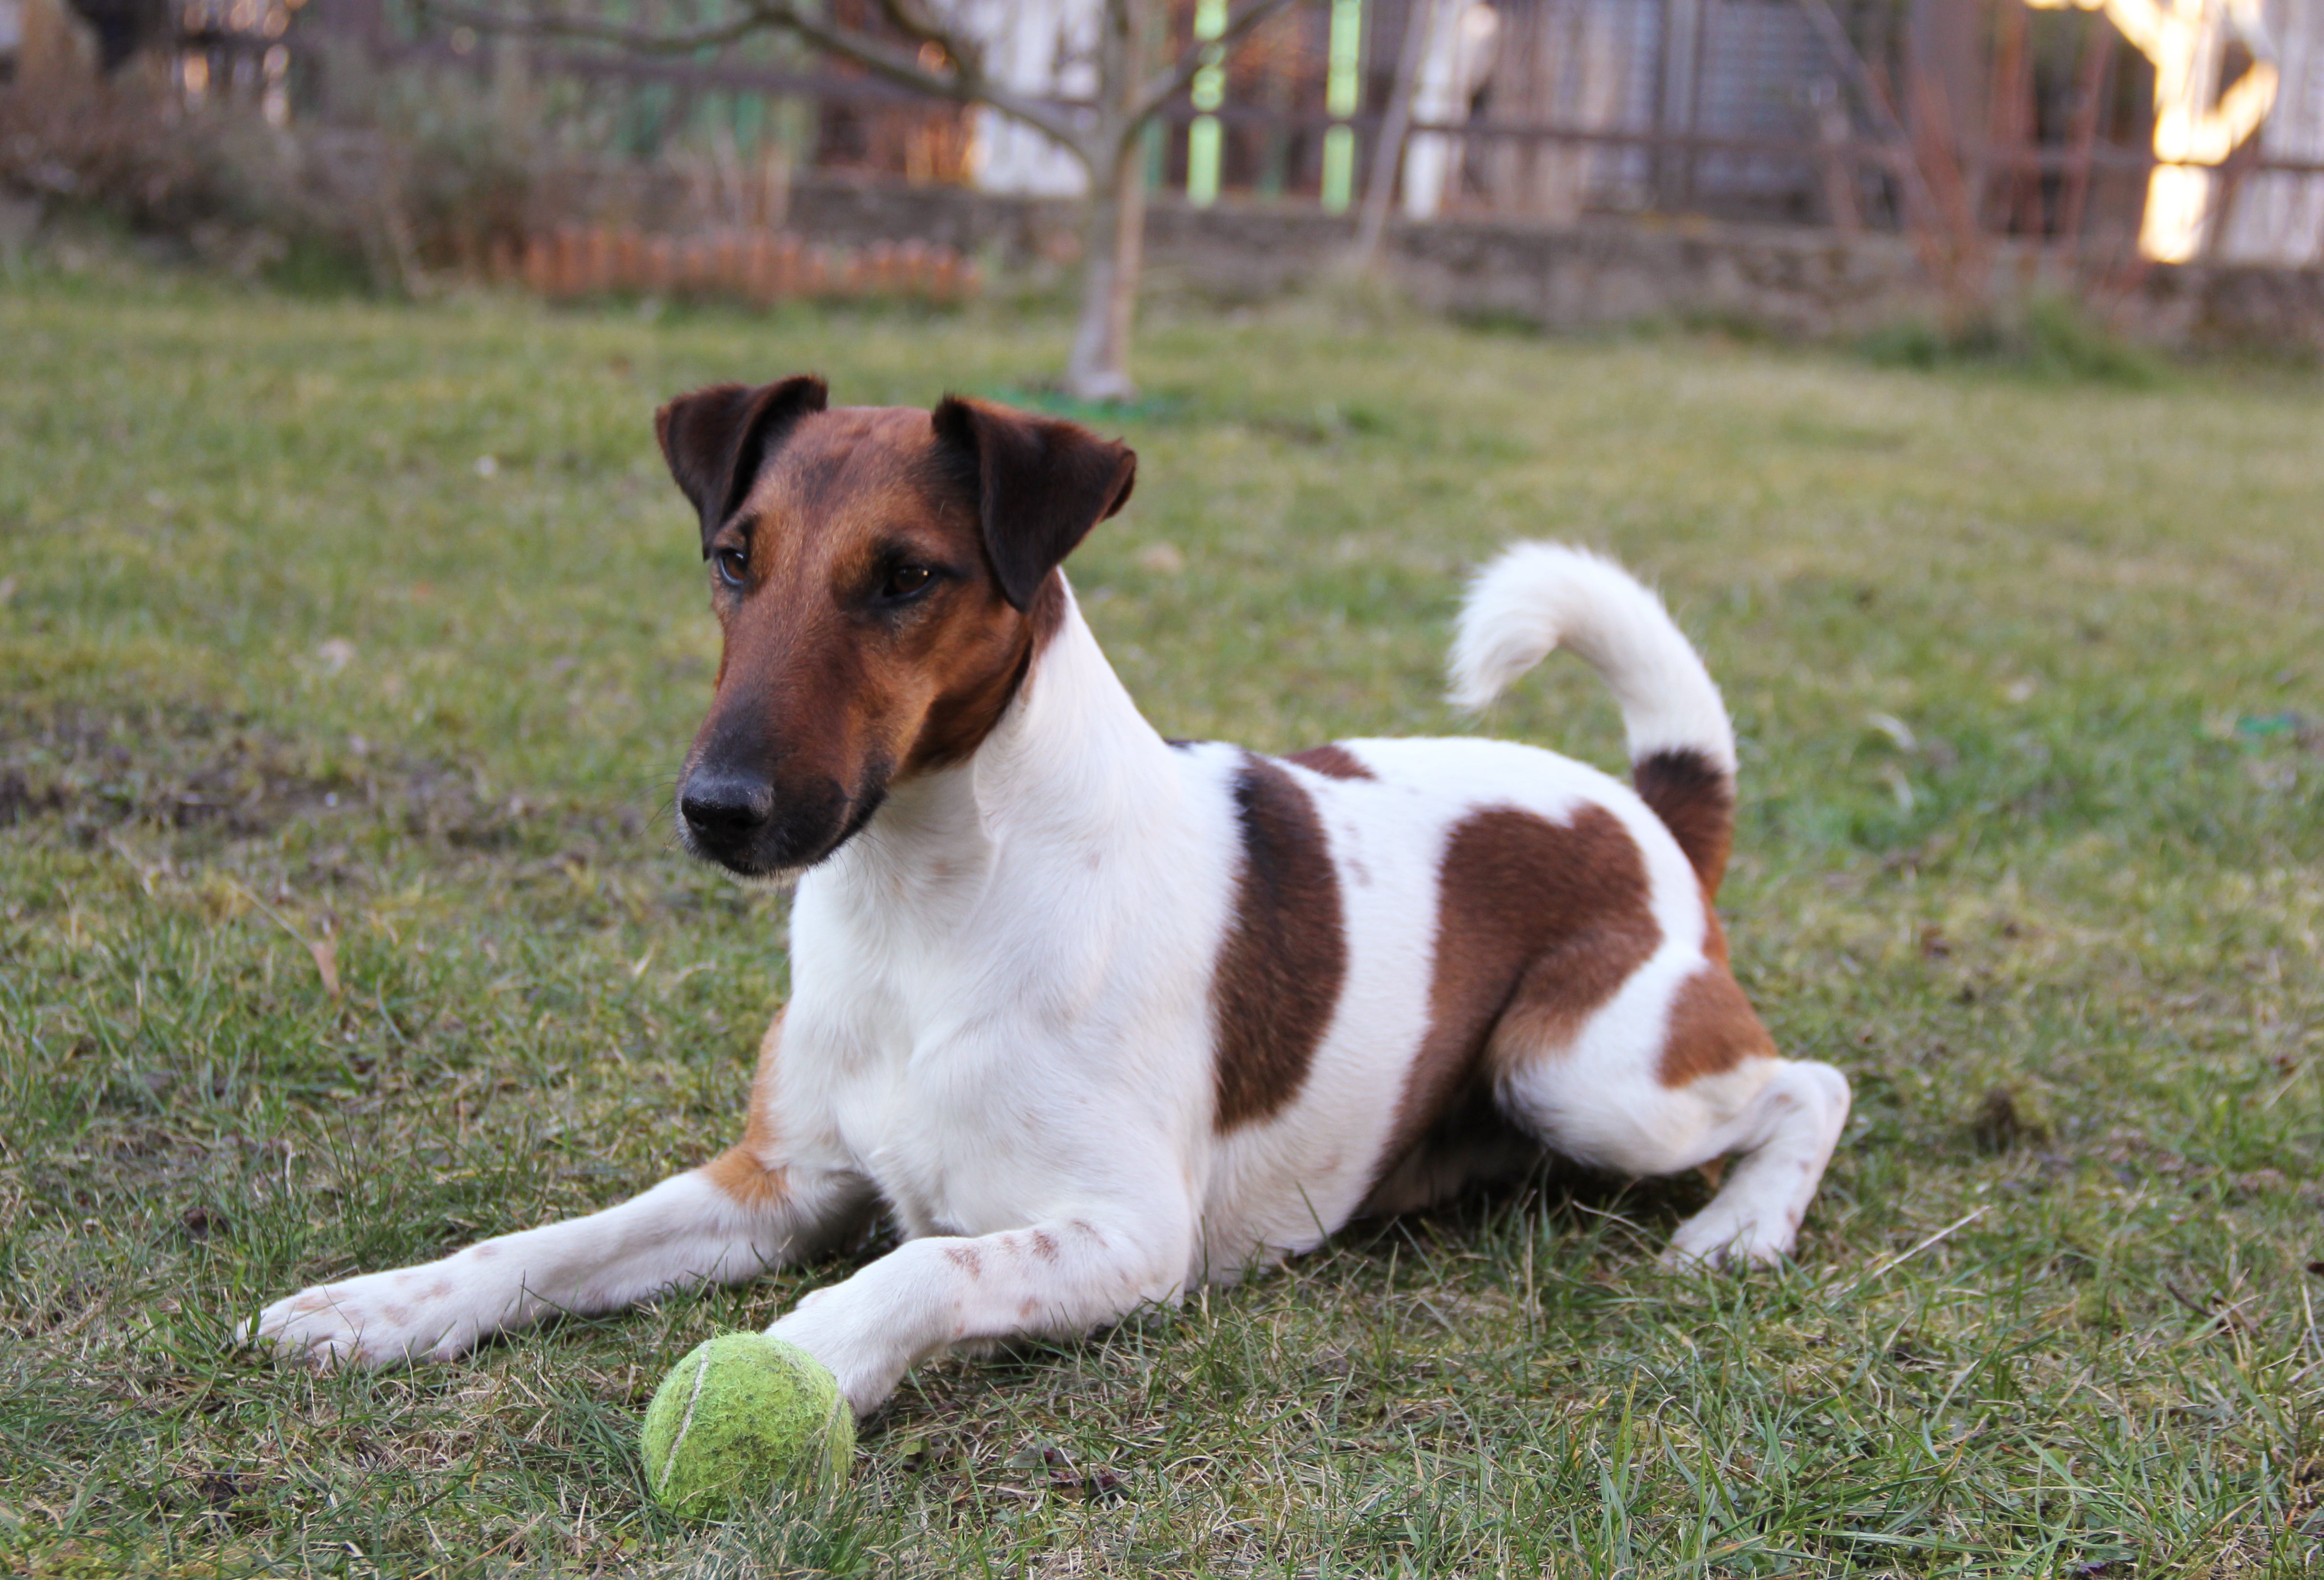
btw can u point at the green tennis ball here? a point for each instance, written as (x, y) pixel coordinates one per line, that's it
(741, 1418)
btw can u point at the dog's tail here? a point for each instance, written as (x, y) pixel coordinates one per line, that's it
(1539, 596)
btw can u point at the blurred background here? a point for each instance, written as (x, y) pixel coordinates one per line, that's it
(1805, 166)
(1950, 366)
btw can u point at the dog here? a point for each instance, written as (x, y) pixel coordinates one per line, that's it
(1098, 1017)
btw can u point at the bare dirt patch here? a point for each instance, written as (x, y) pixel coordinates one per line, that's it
(186, 768)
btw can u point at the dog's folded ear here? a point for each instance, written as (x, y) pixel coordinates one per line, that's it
(1041, 482)
(717, 440)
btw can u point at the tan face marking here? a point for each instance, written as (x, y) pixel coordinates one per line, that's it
(1286, 952)
(866, 614)
(866, 640)
(884, 580)
(1538, 924)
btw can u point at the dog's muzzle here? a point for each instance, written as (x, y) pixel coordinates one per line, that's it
(742, 822)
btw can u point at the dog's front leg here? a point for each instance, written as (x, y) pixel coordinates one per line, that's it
(1061, 1276)
(696, 1227)
(763, 1203)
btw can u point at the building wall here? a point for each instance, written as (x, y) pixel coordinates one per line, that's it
(2279, 218)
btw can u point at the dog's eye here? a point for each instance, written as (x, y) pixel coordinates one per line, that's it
(734, 565)
(905, 580)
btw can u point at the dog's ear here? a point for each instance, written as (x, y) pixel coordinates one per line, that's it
(1041, 484)
(717, 440)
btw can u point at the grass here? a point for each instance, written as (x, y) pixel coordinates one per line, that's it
(290, 673)
(2048, 338)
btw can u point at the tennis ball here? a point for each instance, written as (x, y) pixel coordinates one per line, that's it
(740, 1418)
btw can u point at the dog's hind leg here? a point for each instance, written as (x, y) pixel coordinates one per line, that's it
(749, 1210)
(1675, 1073)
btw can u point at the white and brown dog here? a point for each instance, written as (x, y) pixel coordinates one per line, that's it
(1099, 1017)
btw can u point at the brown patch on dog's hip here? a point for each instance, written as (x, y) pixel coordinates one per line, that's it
(1539, 924)
(1286, 954)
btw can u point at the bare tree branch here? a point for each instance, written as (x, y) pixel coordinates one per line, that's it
(913, 19)
(644, 41)
(1096, 142)
(924, 49)
(1168, 84)
(967, 82)
(964, 84)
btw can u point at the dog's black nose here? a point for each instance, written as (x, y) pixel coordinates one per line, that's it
(722, 807)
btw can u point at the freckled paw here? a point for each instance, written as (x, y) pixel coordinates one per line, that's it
(320, 1327)
(332, 1324)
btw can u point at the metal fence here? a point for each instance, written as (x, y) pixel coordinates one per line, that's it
(1953, 120)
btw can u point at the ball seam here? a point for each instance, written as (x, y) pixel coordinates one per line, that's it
(669, 1464)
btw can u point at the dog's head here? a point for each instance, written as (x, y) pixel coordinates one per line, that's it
(883, 577)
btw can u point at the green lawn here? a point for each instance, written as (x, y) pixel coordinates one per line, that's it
(2031, 701)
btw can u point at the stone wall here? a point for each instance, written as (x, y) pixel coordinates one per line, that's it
(2241, 306)
(1790, 280)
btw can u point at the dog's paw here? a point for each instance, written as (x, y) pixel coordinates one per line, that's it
(1717, 1238)
(380, 1320)
(866, 1367)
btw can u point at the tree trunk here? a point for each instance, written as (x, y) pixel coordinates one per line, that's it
(1113, 234)
(1113, 250)
(1389, 152)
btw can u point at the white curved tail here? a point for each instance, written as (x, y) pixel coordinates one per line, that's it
(1537, 597)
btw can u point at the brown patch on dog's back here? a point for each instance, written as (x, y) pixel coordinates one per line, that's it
(1331, 760)
(1286, 954)
(1539, 924)
(1695, 799)
(1712, 1029)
